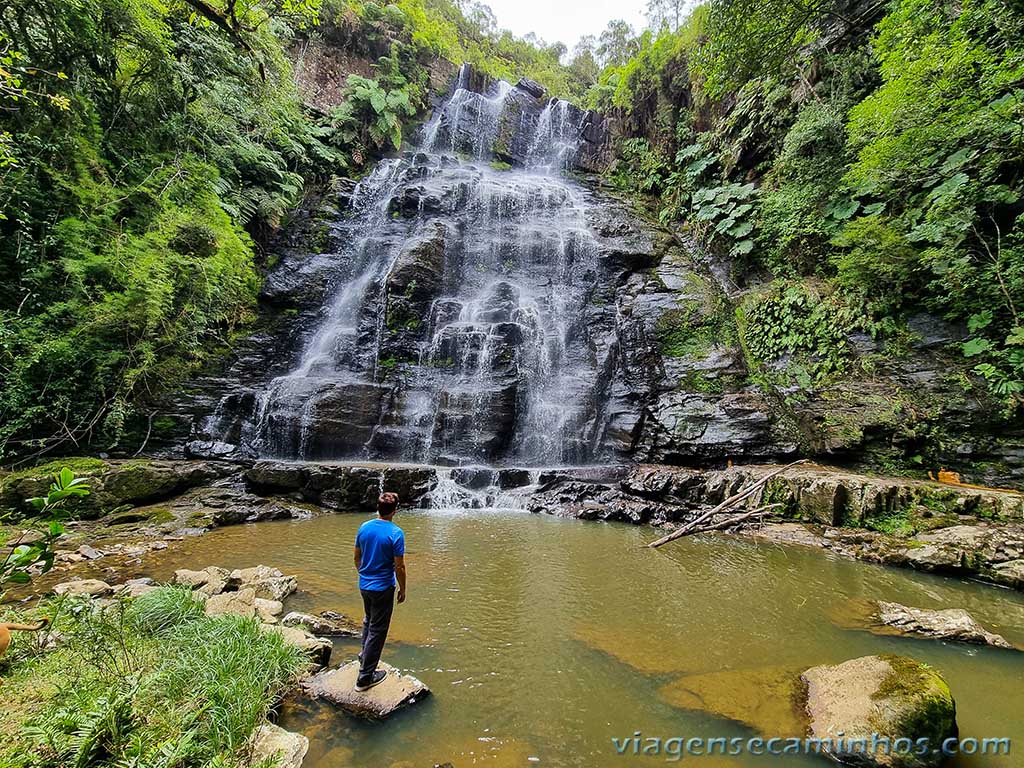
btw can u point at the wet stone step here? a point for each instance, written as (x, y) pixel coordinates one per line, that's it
(338, 686)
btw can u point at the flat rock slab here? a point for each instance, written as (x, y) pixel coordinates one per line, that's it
(769, 700)
(338, 686)
(894, 620)
(954, 624)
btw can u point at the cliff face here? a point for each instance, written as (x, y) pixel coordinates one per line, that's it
(672, 379)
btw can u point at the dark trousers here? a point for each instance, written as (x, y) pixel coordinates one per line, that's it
(377, 609)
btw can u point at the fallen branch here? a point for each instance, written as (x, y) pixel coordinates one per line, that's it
(732, 501)
(738, 519)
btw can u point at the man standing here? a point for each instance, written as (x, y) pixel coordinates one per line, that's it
(380, 560)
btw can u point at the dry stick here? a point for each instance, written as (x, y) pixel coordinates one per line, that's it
(734, 520)
(732, 501)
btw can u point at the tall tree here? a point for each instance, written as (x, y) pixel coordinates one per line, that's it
(617, 44)
(666, 14)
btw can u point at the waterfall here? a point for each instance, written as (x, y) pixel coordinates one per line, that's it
(458, 331)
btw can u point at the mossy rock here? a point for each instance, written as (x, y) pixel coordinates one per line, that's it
(112, 484)
(889, 697)
(17, 487)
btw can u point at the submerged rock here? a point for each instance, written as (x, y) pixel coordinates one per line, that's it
(338, 687)
(954, 624)
(893, 697)
(769, 700)
(276, 747)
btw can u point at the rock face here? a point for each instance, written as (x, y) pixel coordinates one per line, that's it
(892, 696)
(468, 315)
(381, 701)
(954, 624)
(277, 747)
(342, 487)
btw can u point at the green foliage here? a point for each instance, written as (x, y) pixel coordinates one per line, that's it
(800, 210)
(884, 160)
(748, 38)
(36, 555)
(146, 682)
(791, 319)
(725, 213)
(164, 609)
(372, 115)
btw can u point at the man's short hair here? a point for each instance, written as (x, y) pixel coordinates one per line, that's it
(387, 503)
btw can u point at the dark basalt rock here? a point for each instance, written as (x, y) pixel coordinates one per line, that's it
(347, 488)
(533, 88)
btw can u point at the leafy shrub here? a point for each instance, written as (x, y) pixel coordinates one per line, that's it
(117, 693)
(19, 563)
(791, 319)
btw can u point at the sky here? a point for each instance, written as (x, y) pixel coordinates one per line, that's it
(565, 20)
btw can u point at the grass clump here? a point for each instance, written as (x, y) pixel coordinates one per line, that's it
(147, 682)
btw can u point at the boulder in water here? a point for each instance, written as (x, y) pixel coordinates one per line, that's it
(338, 687)
(267, 583)
(888, 697)
(319, 649)
(954, 624)
(212, 580)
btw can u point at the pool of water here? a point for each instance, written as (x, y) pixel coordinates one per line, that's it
(543, 639)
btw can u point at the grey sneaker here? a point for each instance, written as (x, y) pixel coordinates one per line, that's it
(377, 679)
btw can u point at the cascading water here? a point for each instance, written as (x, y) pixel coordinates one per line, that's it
(458, 333)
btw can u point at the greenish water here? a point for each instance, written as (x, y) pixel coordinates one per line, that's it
(543, 639)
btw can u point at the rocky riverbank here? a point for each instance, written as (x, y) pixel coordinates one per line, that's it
(935, 527)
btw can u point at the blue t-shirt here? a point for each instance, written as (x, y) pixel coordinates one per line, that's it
(380, 542)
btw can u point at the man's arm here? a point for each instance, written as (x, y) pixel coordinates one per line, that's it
(400, 575)
(357, 556)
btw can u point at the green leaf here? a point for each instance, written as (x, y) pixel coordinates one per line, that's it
(1016, 336)
(981, 320)
(19, 577)
(956, 160)
(842, 209)
(742, 229)
(976, 347)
